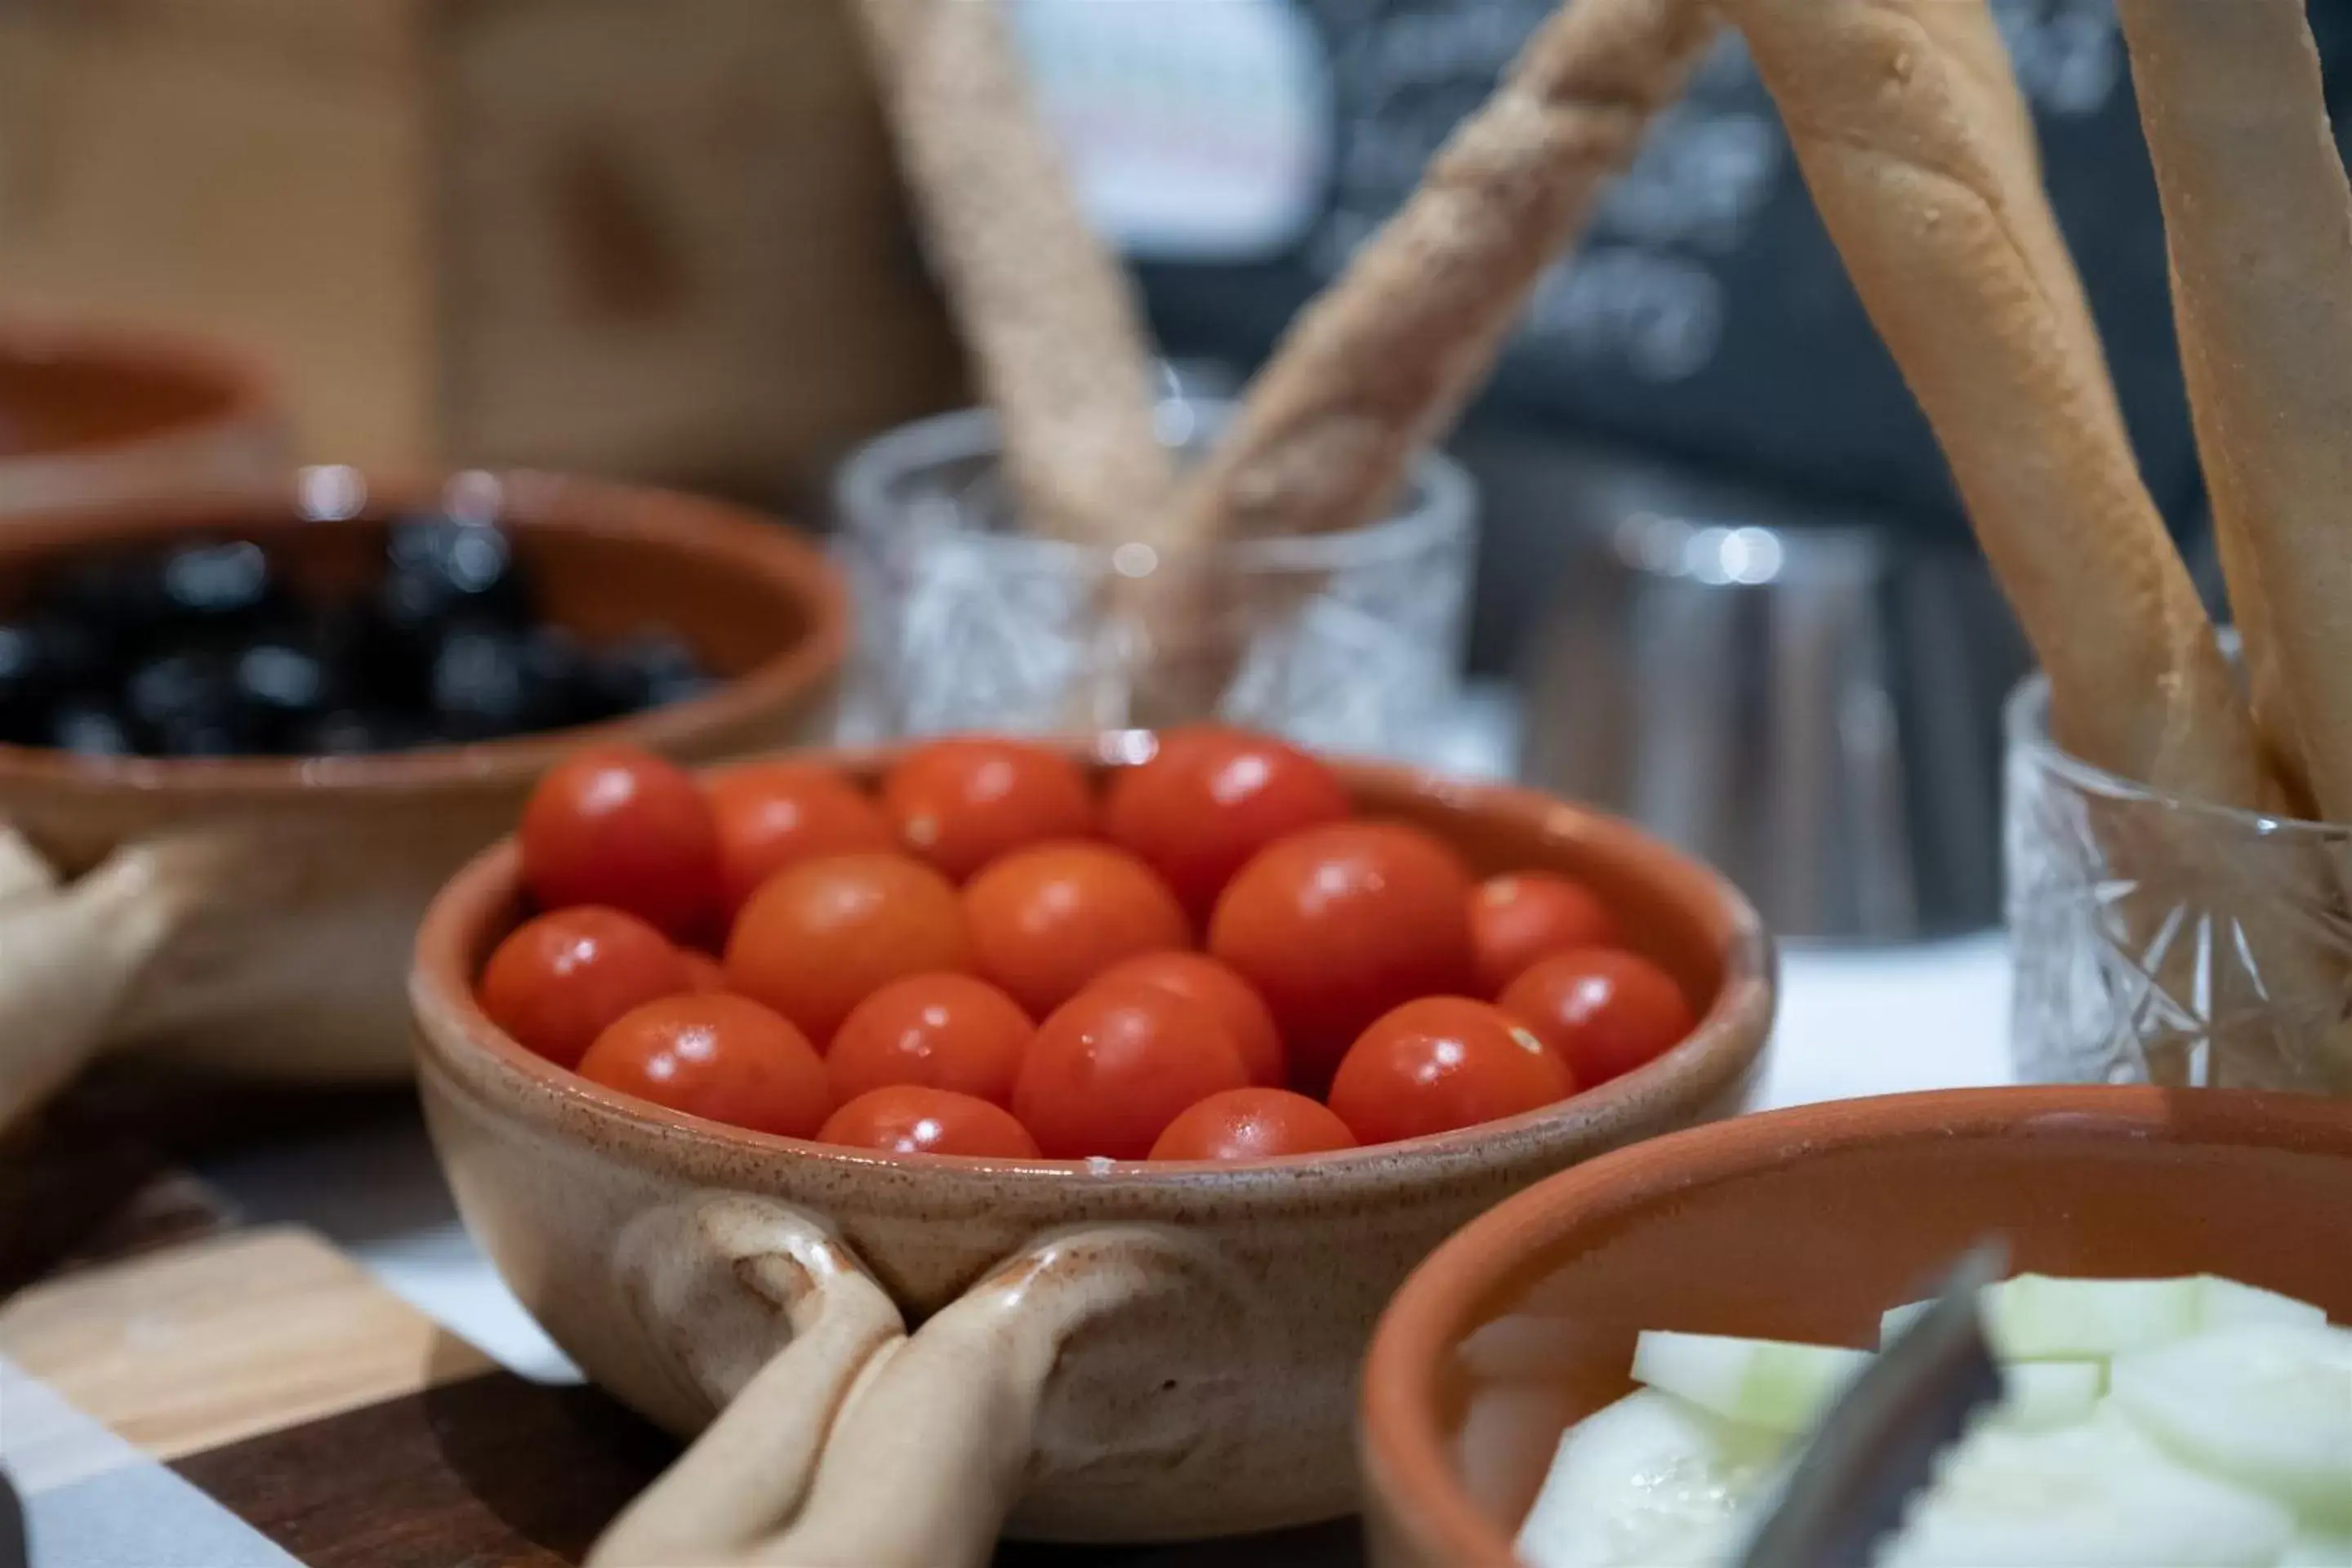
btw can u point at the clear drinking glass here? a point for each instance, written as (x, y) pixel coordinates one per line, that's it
(2157, 940)
(1351, 641)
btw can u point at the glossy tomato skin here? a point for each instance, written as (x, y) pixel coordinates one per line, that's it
(624, 828)
(1217, 987)
(775, 814)
(1047, 919)
(963, 802)
(911, 1118)
(1210, 798)
(559, 979)
(704, 974)
(1441, 1063)
(1522, 916)
(1336, 925)
(723, 1058)
(820, 937)
(1112, 1068)
(952, 1032)
(1254, 1124)
(1603, 1011)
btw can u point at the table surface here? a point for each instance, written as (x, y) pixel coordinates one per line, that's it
(1852, 1023)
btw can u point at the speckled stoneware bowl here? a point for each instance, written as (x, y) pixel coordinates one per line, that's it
(91, 414)
(255, 914)
(1112, 1353)
(1806, 1225)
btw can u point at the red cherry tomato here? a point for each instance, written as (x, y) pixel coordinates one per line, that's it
(1336, 925)
(1254, 1124)
(1046, 920)
(1209, 798)
(623, 828)
(703, 973)
(1521, 916)
(1603, 1011)
(1439, 1063)
(558, 980)
(719, 1058)
(1113, 1067)
(780, 814)
(910, 1118)
(960, 804)
(820, 937)
(1217, 987)
(940, 1031)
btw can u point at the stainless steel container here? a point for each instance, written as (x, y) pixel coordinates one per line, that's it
(1811, 701)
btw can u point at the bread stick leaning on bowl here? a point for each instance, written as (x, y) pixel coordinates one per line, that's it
(1917, 167)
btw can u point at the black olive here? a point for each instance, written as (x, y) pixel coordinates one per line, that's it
(89, 728)
(220, 588)
(442, 568)
(283, 686)
(186, 705)
(650, 670)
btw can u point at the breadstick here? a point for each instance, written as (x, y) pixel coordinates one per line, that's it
(1381, 364)
(1954, 252)
(2258, 215)
(1047, 312)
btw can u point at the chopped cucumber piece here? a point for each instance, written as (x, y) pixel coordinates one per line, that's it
(2037, 1318)
(1763, 1382)
(2269, 1407)
(2094, 1495)
(2309, 1551)
(2039, 1395)
(1650, 1482)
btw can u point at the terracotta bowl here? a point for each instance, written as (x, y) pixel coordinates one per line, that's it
(257, 914)
(1805, 1225)
(92, 415)
(1128, 1351)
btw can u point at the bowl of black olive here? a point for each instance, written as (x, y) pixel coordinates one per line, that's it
(95, 412)
(243, 737)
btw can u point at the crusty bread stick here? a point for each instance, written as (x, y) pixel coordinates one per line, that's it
(2258, 215)
(1382, 362)
(1943, 233)
(1046, 311)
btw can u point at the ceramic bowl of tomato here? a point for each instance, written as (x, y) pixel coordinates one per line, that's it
(253, 913)
(1138, 1075)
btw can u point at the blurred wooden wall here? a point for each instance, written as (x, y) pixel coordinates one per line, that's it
(660, 238)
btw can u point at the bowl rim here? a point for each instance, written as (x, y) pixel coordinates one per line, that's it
(1406, 1466)
(240, 387)
(752, 544)
(454, 1037)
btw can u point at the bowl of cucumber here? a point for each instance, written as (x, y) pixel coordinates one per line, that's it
(1618, 1367)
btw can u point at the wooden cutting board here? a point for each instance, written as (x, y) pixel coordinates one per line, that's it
(244, 1398)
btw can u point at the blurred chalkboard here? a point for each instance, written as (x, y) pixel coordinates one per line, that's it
(1707, 318)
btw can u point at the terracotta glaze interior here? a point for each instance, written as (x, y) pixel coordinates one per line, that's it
(1673, 911)
(72, 394)
(755, 601)
(1806, 1225)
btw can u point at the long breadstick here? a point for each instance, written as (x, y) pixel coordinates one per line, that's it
(2258, 215)
(1953, 250)
(1048, 314)
(1380, 364)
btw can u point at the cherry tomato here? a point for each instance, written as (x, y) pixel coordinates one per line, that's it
(703, 973)
(1601, 1010)
(942, 1031)
(780, 813)
(960, 804)
(723, 1058)
(1439, 1063)
(1115, 1064)
(910, 1118)
(1209, 799)
(1254, 1124)
(624, 828)
(558, 980)
(1217, 987)
(1046, 920)
(820, 937)
(1336, 925)
(1521, 916)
